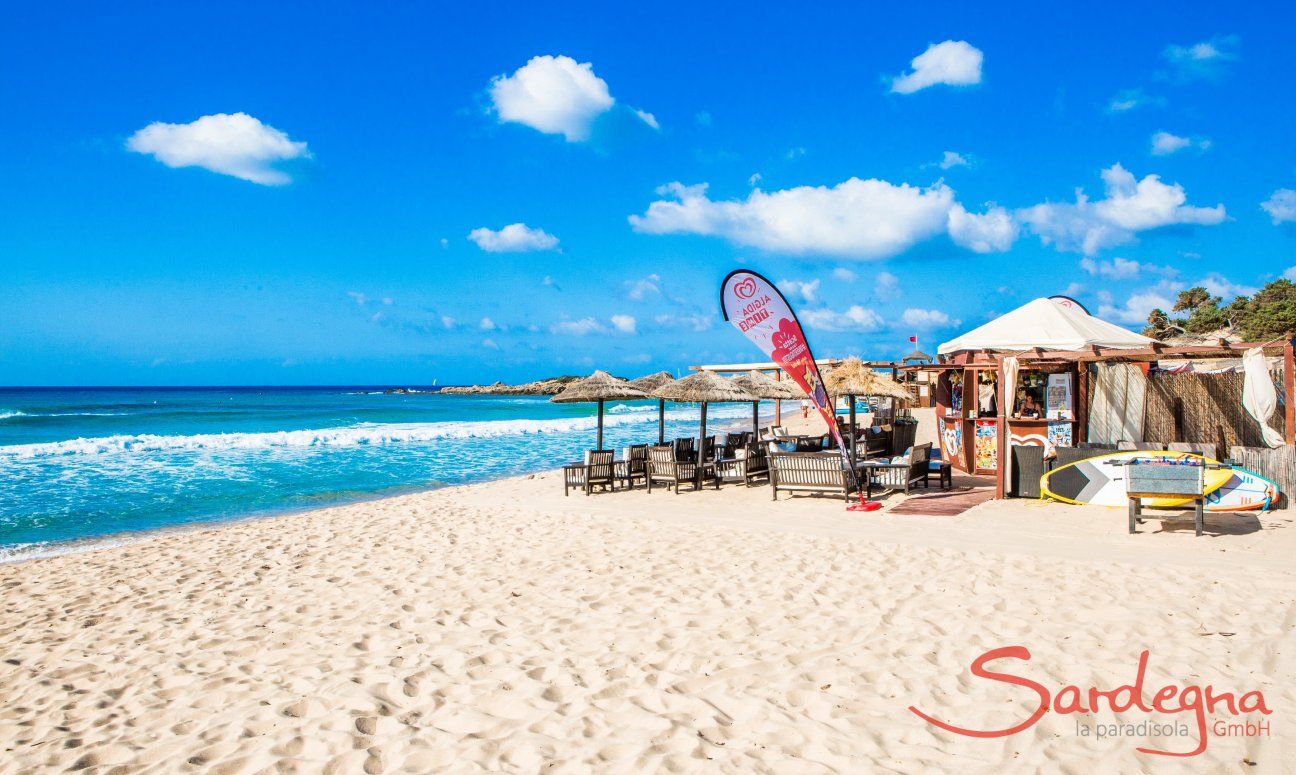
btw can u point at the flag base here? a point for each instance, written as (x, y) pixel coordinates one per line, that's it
(864, 505)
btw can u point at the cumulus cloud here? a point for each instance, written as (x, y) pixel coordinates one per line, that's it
(1281, 205)
(854, 318)
(486, 324)
(993, 231)
(447, 321)
(233, 144)
(1165, 143)
(579, 327)
(1131, 99)
(626, 324)
(953, 62)
(1205, 59)
(514, 238)
(1136, 308)
(856, 218)
(803, 288)
(554, 94)
(844, 274)
(1123, 268)
(1217, 284)
(885, 282)
(647, 118)
(1131, 206)
(1290, 274)
(644, 287)
(953, 159)
(925, 318)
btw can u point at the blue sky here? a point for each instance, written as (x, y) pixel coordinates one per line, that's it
(319, 193)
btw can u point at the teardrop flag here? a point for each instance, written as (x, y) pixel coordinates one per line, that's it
(756, 308)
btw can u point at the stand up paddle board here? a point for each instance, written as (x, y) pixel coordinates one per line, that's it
(1094, 480)
(1244, 491)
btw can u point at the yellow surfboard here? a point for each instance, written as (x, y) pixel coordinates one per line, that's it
(1094, 480)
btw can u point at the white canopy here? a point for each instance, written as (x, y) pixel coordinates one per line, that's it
(1048, 324)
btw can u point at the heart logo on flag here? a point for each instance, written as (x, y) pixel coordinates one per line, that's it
(745, 288)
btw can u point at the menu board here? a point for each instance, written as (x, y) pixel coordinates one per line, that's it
(1057, 397)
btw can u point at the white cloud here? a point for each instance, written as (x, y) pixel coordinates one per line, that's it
(644, 287)
(234, 144)
(487, 324)
(556, 95)
(885, 282)
(854, 318)
(691, 322)
(359, 298)
(856, 218)
(626, 324)
(1164, 143)
(1131, 99)
(993, 231)
(1130, 207)
(1123, 268)
(489, 344)
(1073, 290)
(1219, 285)
(577, 327)
(1136, 308)
(1290, 274)
(805, 289)
(1281, 205)
(754, 179)
(844, 274)
(1201, 60)
(953, 159)
(925, 318)
(447, 321)
(954, 62)
(514, 238)
(647, 118)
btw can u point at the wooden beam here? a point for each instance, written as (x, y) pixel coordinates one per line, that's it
(1081, 399)
(1289, 360)
(1002, 429)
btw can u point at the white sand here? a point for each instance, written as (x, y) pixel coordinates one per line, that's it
(504, 628)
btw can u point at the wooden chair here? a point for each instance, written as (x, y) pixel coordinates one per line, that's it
(635, 465)
(598, 470)
(809, 472)
(664, 468)
(903, 475)
(744, 464)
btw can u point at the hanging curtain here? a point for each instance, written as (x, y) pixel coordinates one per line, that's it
(1258, 395)
(1119, 396)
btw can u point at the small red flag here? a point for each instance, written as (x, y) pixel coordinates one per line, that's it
(913, 339)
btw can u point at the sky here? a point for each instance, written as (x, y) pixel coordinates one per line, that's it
(330, 193)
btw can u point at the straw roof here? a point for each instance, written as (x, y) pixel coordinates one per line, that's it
(650, 382)
(599, 386)
(852, 378)
(766, 387)
(703, 386)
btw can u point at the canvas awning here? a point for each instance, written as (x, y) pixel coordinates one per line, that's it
(1046, 324)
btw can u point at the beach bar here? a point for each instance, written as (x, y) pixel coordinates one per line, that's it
(1049, 375)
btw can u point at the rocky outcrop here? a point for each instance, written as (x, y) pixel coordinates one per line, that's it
(543, 387)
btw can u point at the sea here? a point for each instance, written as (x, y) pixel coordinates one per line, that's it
(81, 467)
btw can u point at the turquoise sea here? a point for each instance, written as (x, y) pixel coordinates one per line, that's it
(91, 462)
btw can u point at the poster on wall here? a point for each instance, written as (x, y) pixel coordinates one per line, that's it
(1059, 435)
(1057, 397)
(952, 437)
(987, 445)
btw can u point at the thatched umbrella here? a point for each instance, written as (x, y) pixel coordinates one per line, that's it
(704, 387)
(765, 388)
(851, 378)
(648, 383)
(598, 387)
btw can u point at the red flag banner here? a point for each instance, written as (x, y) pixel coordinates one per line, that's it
(763, 315)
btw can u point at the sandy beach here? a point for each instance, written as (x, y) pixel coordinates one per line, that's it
(503, 627)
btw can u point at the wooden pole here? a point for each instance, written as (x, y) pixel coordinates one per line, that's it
(1002, 429)
(1081, 399)
(756, 417)
(702, 433)
(600, 424)
(1289, 360)
(854, 430)
(661, 421)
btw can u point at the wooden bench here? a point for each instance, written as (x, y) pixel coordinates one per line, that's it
(809, 472)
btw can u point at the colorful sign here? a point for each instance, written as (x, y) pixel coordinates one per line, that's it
(986, 448)
(757, 309)
(1059, 435)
